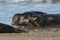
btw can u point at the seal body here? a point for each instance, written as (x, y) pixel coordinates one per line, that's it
(52, 19)
(30, 19)
(4, 28)
(35, 19)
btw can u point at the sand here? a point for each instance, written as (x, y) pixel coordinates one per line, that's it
(29, 36)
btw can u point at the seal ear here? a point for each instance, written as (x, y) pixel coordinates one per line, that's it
(50, 18)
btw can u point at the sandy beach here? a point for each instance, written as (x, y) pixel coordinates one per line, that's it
(29, 36)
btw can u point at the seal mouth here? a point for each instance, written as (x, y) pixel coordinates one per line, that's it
(21, 28)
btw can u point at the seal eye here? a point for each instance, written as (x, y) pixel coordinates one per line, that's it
(15, 18)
